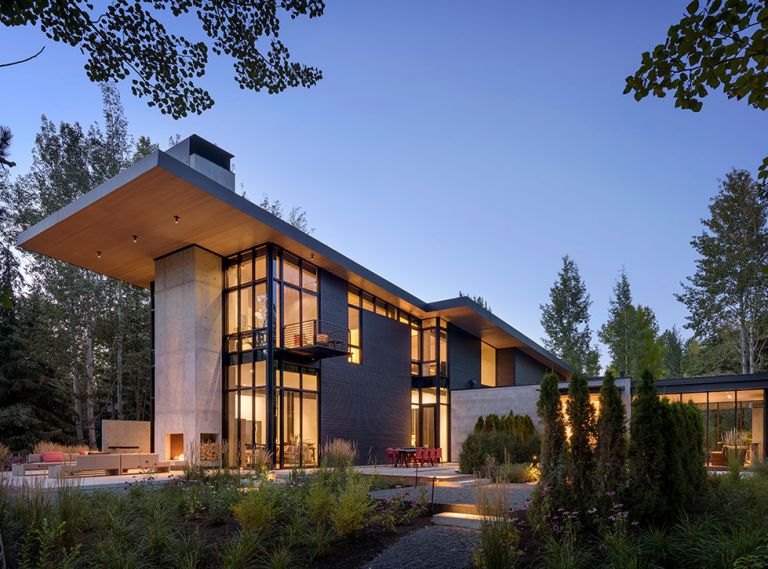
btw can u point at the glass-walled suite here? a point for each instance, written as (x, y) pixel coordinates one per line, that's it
(734, 423)
(269, 404)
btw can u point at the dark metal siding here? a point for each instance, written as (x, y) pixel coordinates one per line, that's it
(505, 367)
(527, 370)
(368, 403)
(463, 359)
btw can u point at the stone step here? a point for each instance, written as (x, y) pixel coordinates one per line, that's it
(458, 520)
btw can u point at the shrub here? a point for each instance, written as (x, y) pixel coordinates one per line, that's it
(49, 446)
(519, 472)
(500, 446)
(339, 453)
(261, 461)
(5, 455)
(499, 545)
(319, 501)
(351, 509)
(259, 509)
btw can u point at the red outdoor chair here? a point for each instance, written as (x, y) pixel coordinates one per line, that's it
(391, 456)
(439, 455)
(418, 458)
(432, 456)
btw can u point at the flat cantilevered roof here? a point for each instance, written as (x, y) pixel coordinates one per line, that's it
(160, 205)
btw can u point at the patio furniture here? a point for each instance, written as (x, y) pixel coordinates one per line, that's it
(111, 464)
(404, 456)
(439, 455)
(716, 458)
(418, 457)
(39, 463)
(391, 456)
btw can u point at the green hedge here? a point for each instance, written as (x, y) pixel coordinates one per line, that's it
(511, 438)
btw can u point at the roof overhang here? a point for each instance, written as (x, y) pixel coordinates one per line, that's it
(160, 205)
(470, 316)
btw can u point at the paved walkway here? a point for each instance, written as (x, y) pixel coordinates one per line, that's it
(432, 547)
(517, 494)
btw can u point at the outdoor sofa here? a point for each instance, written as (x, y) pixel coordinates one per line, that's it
(111, 464)
(38, 463)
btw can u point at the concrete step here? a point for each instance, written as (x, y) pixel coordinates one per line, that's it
(462, 482)
(458, 520)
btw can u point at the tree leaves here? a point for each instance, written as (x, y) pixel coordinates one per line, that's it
(720, 45)
(128, 40)
(565, 320)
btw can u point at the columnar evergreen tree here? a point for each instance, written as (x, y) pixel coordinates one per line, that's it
(729, 289)
(565, 319)
(646, 452)
(551, 491)
(611, 439)
(581, 459)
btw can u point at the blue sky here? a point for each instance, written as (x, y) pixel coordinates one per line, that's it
(453, 148)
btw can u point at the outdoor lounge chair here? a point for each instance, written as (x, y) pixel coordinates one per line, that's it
(142, 461)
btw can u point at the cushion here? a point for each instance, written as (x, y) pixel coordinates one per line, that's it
(83, 452)
(32, 458)
(52, 456)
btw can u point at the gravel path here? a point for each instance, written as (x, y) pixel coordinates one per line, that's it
(433, 547)
(518, 494)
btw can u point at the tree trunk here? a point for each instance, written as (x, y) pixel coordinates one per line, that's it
(743, 347)
(90, 388)
(77, 405)
(119, 349)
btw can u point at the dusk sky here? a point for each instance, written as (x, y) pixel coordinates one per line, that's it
(453, 148)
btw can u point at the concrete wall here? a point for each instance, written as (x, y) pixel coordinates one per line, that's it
(368, 403)
(125, 433)
(469, 404)
(188, 344)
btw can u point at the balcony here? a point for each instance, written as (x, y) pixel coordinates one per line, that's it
(315, 339)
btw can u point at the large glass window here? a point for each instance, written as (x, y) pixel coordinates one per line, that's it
(298, 416)
(734, 422)
(487, 365)
(353, 323)
(298, 287)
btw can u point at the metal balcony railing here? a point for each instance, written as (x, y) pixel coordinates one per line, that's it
(316, 338)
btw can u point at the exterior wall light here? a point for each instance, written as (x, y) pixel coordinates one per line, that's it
(98, 254)
(176, 219)
(135, 238)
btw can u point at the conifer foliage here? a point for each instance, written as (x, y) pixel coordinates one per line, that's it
(647, 451)
(581, 459)
(553, 445)
(611, 439)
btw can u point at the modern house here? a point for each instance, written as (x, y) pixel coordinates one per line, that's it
(264, 337)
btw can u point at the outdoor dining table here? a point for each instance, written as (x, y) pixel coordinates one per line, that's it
(402, 456)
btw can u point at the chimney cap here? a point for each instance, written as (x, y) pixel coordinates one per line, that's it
(195, 144)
